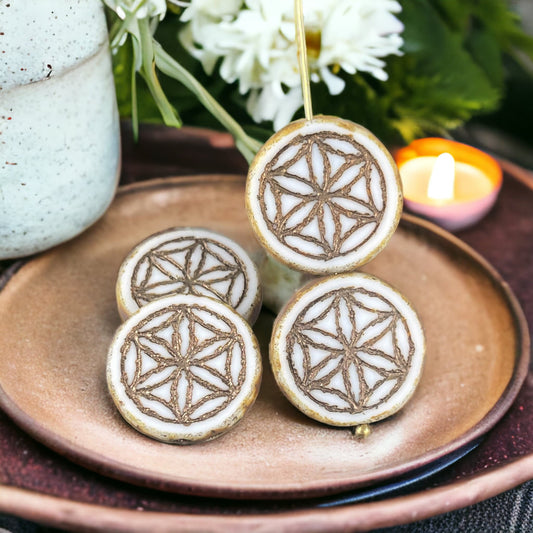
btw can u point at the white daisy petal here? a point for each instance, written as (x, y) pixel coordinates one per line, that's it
(335, 84)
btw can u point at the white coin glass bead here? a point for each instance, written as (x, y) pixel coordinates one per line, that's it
(347, 350)
(184, 369)
(323, 196)
(189, 261)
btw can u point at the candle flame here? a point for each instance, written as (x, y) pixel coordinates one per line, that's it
(442, 179)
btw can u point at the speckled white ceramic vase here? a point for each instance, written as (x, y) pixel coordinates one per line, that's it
(59, 125)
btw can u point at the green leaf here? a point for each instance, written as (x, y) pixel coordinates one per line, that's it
(495, 18)
(437, 84)
(486, 52)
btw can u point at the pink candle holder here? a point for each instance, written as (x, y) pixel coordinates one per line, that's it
(478, 180)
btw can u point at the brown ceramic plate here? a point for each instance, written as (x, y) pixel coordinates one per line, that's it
(58, 314)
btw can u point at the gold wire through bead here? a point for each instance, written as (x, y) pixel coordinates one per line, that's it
(302, 58)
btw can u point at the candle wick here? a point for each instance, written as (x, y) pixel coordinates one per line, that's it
(442, 180)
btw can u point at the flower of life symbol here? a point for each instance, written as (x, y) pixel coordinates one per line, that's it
(323, 196)
(350, 350)
(190, 265)
(183, 364)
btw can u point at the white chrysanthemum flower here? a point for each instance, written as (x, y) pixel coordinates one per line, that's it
(210, 8)
(255, 41)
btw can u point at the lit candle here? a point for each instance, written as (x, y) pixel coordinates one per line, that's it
(451, 183)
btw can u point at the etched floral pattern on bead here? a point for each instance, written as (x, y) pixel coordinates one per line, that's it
(349, 350)
(323, 195)
(189, 265)
(183, 364)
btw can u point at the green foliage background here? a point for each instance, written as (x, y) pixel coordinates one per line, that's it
(454, 66)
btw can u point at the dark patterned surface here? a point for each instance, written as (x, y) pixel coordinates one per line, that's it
(505, 238)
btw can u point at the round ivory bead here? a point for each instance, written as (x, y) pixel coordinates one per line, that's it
(323, 196)
(347, 350)
(184, 369)
(189, 261)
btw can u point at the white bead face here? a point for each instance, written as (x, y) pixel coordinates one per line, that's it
(184, 368)
(348, 350)
(323, 195)
(189, 261)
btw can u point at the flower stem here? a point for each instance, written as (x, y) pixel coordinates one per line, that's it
(169, 114)
(133, 81)
(247, 145)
